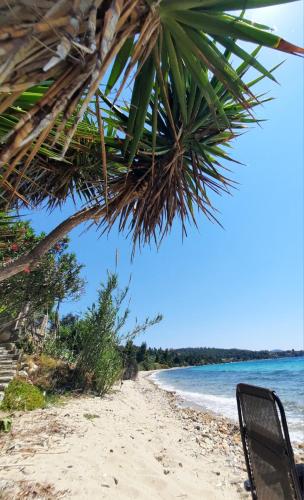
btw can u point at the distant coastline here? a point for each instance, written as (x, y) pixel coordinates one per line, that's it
(223, 362)
(149, 358)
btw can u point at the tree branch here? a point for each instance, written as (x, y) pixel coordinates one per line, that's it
(32, 258)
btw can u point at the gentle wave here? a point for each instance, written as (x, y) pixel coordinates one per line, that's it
(221, 405)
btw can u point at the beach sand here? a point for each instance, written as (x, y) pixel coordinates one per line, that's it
(136, 443)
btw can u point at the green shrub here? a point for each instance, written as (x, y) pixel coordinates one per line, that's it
(100, 360)
(5, 424)
(20, 395)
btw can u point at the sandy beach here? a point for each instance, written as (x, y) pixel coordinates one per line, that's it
(136, 443)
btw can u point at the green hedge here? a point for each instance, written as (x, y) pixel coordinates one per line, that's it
(20, 395)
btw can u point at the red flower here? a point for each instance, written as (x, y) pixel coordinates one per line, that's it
(14, 247)
(27, 269)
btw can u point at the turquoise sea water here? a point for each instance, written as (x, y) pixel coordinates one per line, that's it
(213, 386)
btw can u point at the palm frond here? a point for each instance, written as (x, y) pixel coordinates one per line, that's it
(161, 155)
(72, 45)
(176, 167)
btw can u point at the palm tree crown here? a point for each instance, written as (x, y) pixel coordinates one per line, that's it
(64, 66)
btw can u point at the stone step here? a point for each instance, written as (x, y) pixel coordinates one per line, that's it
(3, 386)
(8, 365)
(7, 372)
(5, 379)
(7, 345)
(8, 353)
(8, 348)
(9, 356)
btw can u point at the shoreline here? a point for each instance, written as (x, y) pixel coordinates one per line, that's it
(182, 402)
(135, 443)
(296, 437)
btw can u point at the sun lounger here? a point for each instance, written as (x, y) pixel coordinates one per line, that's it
(272, 472)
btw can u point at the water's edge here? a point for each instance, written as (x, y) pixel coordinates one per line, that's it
(214, 403)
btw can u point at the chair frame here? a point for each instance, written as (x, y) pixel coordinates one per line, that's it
(263, 393)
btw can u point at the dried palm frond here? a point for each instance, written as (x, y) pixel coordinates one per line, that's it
(71, 44)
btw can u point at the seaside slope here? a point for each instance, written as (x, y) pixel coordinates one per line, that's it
(133, 444)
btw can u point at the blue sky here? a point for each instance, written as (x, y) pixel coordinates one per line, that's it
(241, 286)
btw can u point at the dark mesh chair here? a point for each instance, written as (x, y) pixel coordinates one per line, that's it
(272, 472)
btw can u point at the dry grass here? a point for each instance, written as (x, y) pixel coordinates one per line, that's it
(19, 490)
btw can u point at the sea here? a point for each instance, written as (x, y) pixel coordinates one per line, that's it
(212, 387)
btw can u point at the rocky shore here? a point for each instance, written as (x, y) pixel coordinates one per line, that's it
(218, 435)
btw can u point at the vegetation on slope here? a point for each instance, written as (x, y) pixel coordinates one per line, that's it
(88, 352)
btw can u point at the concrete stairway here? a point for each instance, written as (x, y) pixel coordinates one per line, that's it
(8, 365)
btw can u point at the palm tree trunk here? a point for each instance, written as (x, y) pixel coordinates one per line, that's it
(32, 258)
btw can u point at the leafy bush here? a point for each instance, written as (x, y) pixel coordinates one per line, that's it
(20, 395)
(5, 424)
(68, 342)
(100, 356)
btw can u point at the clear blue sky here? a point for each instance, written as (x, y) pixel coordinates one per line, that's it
(237, 287)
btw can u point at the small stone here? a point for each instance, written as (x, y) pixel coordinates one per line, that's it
(34, 368)
(180, 464)
(166, 472)
(111, 451)
(197, 427)
(115, 480)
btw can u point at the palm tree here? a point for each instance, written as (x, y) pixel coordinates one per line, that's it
(144, 162)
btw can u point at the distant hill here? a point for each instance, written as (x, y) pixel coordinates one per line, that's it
(150, 358)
